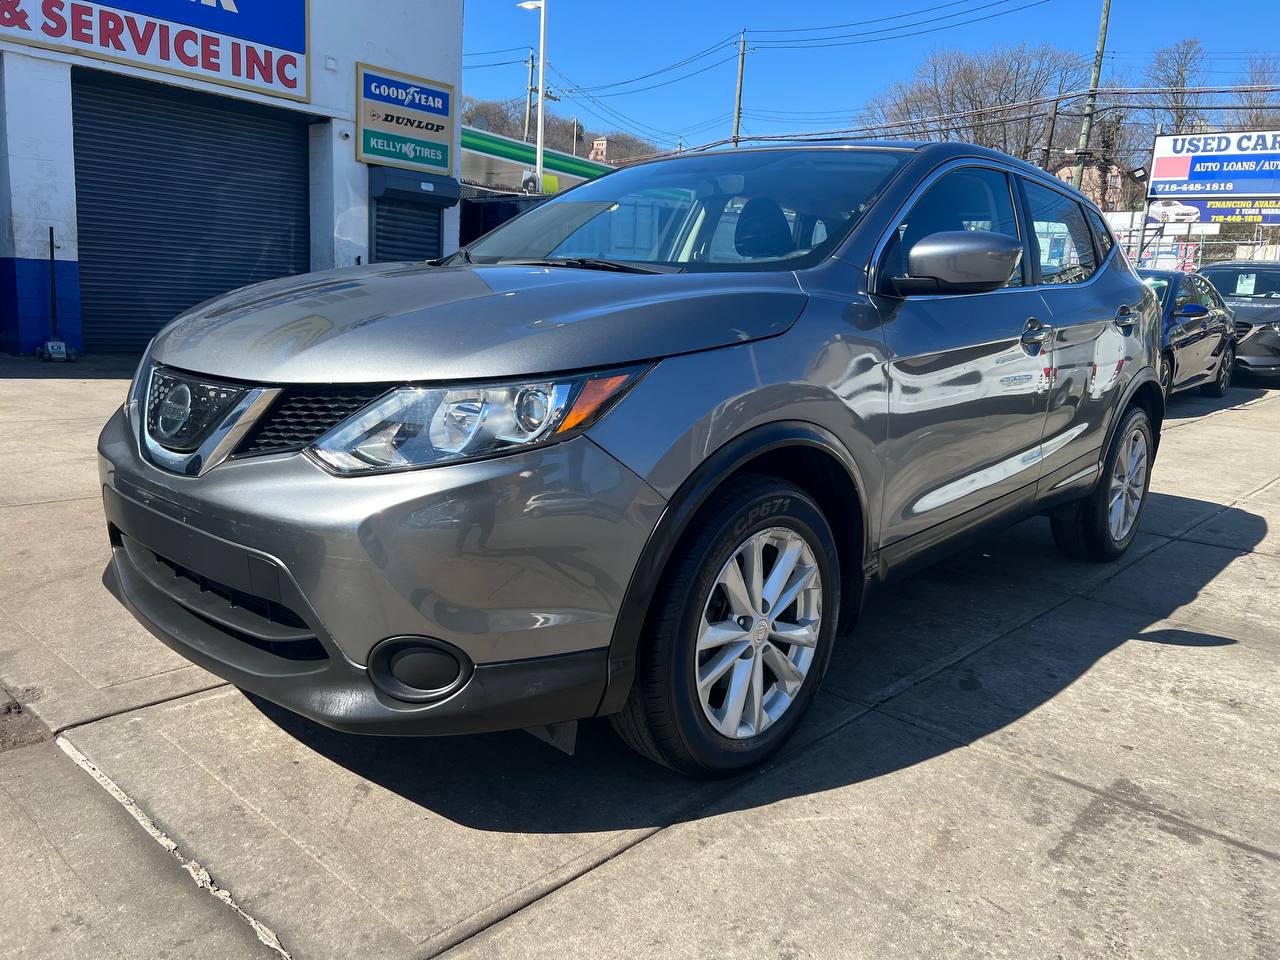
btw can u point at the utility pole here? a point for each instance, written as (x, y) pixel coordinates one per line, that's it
(1050, 124)
(737, 99)
(528, 97)
(574, 120)
(1077, 178)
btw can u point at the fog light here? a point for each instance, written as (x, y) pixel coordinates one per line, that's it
(418, 669)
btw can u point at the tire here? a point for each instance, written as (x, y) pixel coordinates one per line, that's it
(1222, 382)
(665, 718)
(1166, 376)
(1084, 531)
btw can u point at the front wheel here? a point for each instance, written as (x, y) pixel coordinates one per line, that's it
(1222, 382)
(739, 633)
(1102, 525)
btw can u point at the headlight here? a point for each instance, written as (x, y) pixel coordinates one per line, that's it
(136, 397)
(424, 426)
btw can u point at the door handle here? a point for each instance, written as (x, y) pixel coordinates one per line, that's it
(1125, 319)
(1035, 335)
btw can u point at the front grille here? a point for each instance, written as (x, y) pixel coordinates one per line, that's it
(256, 621)
(302, 415)
(1243, 328)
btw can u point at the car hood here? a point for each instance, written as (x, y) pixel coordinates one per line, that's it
(1254, 311)
(394, 322)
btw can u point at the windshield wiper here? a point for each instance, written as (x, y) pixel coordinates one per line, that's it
(461, 254)
(596, 263)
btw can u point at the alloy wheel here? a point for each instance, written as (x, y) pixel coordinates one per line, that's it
(1128, 485)
(1225, 368)
(758, 633)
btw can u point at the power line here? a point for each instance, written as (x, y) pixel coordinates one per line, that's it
(480, 66)
(664, 83)
(823, 41)
(858, 23)
(788, 45)
(488, 53)
(674, 66)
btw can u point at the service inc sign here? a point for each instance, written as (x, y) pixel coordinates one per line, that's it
(404, 121)
(259, 45)
(1245, 165)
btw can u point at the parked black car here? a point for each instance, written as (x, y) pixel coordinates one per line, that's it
(1197, 339)
(1252, 291)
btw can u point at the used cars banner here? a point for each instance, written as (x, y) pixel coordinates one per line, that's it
(404, 121)
(1216, 165)
(251, 44)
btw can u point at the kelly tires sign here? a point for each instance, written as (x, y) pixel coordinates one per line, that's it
(1244, 165)
(404, 121)
(259, 45)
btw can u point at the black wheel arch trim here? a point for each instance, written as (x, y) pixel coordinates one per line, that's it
(1144, 376)
(681, 508)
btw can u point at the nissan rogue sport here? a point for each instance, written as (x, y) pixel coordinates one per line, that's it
(641, 452)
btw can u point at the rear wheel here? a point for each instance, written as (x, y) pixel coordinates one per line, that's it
(1222, 382)
(1166, 375)
(1102, 525)
(739, 633)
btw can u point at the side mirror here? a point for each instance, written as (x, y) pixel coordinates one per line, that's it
(1193, 311)
(959, 261)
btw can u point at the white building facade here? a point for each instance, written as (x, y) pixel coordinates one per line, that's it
(155, 153)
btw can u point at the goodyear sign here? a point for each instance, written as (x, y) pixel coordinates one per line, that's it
(404, 121)
(1245, 165)
(258, 45)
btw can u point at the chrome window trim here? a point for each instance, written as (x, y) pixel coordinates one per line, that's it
(990, 164)
(218, 445)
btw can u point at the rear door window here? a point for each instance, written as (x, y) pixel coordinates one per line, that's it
(1063, 245)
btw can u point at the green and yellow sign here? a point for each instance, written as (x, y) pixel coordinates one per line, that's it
(404, 121)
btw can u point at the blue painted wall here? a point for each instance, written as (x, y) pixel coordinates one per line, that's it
(25, 311)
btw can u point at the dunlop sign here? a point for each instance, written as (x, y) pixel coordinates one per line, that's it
(404, 121)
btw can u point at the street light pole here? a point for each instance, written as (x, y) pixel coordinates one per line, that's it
(542, 85)
(541, 7)
(1077, 177)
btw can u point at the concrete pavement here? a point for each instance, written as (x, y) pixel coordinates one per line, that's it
(1021, 756)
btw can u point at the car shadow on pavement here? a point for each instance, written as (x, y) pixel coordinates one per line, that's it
(932, 628)
(1192, 403)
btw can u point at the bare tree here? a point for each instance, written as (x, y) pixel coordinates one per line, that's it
(1257, 110)
(1172, 69)
(986, 89)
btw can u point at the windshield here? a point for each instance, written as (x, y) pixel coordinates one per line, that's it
(1161, 287)
(1260, 282)
(749, 210)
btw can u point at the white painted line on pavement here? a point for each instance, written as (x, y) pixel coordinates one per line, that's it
(197, 873)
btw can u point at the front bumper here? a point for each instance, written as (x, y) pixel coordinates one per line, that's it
(1258, 351)
(283, 579)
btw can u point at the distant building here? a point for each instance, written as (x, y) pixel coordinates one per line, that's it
(599, 150)
(1109, 188)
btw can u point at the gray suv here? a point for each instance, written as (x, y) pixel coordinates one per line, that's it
(641, 452)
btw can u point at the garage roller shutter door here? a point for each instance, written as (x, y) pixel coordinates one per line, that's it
(181, 196)
(405, 229)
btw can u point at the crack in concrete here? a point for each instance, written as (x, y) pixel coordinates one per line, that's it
(198, 873)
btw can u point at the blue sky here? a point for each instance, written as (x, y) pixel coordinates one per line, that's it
(598, 43)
